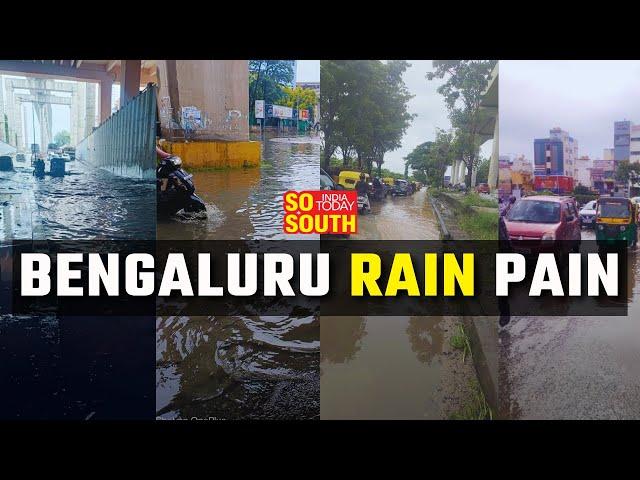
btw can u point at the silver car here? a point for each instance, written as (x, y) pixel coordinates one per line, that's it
(587, 214)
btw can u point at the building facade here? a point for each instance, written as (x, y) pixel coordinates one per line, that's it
(582, 171)
(555, 155)
(548, 154)
(621, 140)
(634, 144)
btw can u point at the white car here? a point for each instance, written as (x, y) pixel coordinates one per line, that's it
(587, 214)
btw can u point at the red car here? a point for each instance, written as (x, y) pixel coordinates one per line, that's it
(541, 217)
(482, 188)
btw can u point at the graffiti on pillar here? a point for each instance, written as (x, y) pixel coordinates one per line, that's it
(193, 122)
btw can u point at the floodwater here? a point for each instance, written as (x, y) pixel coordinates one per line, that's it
(573, 367)
(242, 367)
(385, 367)
(399, 218)
(75, 367)
(247, 203)
(86, 204)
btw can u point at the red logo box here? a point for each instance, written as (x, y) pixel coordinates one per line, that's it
(321, 211)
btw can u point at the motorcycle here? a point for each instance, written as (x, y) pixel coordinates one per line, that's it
(175, 190)
(363, 203)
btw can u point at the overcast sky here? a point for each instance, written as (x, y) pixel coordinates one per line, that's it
(431, 110)
(582, 97)
(308, 70)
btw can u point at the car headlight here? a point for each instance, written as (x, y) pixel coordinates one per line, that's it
(549, 236)
(622, 228)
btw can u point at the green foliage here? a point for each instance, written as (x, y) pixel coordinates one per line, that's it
(363, 109)
(581, 190)
(473, 199)
(480, 225)
(298, 97)
(267, 79)
(460, 341)
(624, 168)
(429, 160)
(61, 138)
(482, 175)
(476, 406)
(466, 81)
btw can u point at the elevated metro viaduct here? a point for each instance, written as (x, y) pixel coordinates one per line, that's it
(123, 142)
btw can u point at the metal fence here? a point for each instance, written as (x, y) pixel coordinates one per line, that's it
(124, 143)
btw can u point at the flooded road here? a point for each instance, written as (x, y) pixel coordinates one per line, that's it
(242, 367)
(85, 204)
(573, 367)
(399, 218)
(70, 367)
(247, 203)
(391, 367)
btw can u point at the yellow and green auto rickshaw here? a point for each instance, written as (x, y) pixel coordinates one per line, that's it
(388, 181)
(348, 179)
(616, 219)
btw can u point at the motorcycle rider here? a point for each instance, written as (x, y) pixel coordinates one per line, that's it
(162, 155)
(377, 187)
(362, 187)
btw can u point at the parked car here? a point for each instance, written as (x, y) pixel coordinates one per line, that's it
(587, 214)
(537, 222)
(482, 188)
(20, 158)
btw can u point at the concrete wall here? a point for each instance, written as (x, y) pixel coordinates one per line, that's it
(218, 88)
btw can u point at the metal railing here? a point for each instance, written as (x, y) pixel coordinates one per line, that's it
(124, 143)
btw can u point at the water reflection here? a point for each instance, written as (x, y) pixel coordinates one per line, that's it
(383, 368)
(247, 203)
(242, 367)
(573, 367)
(85, 204)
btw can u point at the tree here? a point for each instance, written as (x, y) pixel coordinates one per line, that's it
(298, 97)
(430, 160)
(466, 81)
(61, 138)
(623, 168)
(267, 79)
(363, 109)
(482, 174)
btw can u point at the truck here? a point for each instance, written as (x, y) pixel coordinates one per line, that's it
(558, 184)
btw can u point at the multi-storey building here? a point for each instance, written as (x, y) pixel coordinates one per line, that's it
(621, 140)
(634, 144)
(555, 155)
(582, 171)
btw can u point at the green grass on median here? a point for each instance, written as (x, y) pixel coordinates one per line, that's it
(476, 406)
(480, 225)
(474, 199)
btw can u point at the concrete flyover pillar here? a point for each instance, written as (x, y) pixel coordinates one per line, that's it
(494, 164)
(105, 99)
(129, 80)
(204, 112)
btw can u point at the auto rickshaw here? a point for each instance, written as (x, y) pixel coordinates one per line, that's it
(348, 179)
(616, 219)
